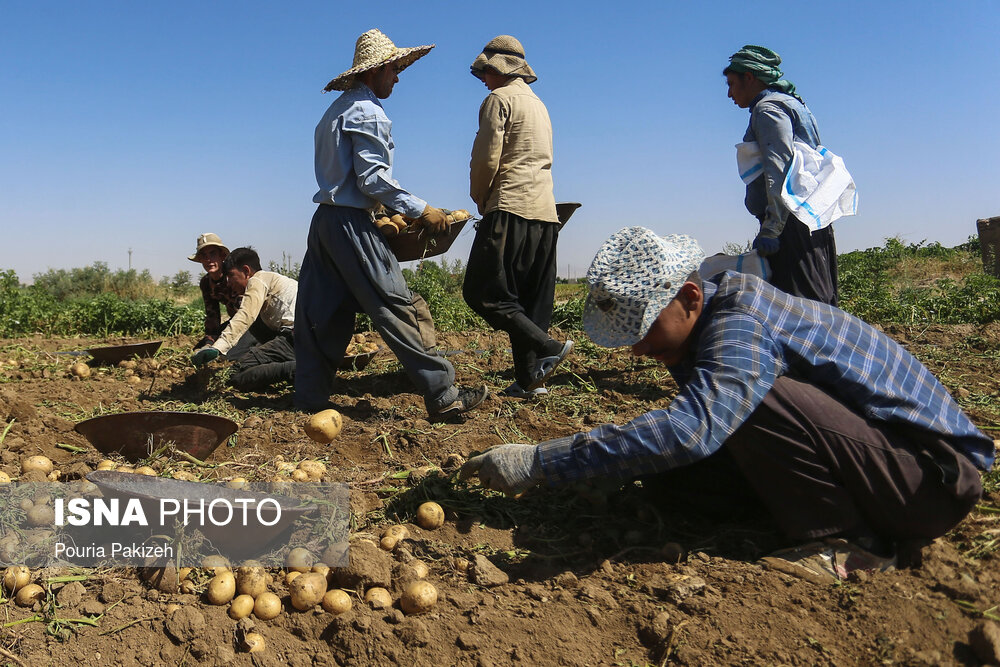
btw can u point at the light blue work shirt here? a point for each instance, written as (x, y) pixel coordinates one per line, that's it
(354, 152)
(776, 120)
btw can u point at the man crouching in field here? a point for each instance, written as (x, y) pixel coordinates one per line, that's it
(272, 297)
(849, 441)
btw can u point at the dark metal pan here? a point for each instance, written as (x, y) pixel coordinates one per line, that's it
(115, 353)
(564, 211)
(132, 434)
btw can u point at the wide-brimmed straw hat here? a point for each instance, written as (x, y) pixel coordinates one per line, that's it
(504, 54)
(205, 241)
(634, 276)
(373, 49)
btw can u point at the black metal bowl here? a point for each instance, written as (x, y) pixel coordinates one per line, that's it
(115, 353)
(134, 434)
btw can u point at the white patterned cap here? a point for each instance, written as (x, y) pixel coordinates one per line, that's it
(634, 275)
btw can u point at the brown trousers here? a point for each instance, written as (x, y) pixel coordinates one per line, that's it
(822, 469)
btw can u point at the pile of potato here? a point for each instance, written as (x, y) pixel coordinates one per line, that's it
(359, 345)
(399, 224)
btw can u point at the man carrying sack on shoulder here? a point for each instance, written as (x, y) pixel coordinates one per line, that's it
(796, 239)
(348, 267)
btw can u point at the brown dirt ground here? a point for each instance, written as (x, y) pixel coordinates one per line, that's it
(595, 576)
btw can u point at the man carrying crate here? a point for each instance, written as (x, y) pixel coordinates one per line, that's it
(348, 268)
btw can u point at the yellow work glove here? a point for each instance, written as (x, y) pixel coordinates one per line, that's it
(434, 219)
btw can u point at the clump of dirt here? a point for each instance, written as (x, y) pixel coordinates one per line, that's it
(626, 575)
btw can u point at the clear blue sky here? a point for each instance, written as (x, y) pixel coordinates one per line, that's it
(143, 124)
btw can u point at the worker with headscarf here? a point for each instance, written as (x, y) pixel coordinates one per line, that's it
(803, 262)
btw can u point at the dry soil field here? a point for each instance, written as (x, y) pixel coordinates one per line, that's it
(583, 576)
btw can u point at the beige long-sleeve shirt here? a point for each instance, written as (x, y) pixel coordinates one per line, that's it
(511, 167)
(270, 296)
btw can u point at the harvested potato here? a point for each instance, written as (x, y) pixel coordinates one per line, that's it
(54, 475)
(419, 568)
(379, 598)
(241, 607)
(399, 531)
(251, 580)
(126, 469)
(145, 470)
(315, 469)
(80, 370)
(324, 426)
(221, 588)
(185, 476)
(238, 483)
(336, 602)
(267, 606)
(215, 563)
(460, 215)
(418, 598)
(107, 464)
(430, 516)
(290, 577)
(127, 363)
(15, 578)
(254, 642)
(299, 559)
(299, 475)
(134, 379)
(29, 595)
(4, 477)
(41, 515)
(388, 542)
(320, 568)
(307, 590)
(43, 464)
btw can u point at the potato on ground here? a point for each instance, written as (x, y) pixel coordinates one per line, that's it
(307, 590)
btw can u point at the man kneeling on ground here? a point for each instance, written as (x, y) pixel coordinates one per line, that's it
(851, 443)
(272, 297)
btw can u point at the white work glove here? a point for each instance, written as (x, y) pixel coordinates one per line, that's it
(510, 469)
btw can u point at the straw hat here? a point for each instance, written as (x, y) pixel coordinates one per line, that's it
(506, 55)
(634, 276)
(373, 49)
(204, 241)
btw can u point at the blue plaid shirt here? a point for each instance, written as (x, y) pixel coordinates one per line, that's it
(750, 334)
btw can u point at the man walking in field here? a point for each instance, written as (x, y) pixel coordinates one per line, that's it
(803, 263)
(348, 268)
(849, 441)
(511, 275)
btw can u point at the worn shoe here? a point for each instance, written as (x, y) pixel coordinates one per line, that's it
(826, 562)
(515, 391)
(468, 398)
(546, 366)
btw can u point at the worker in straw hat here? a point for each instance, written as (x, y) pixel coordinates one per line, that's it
(511, 274)
(348, 267)
(216, 292)
(803, 262)
(845, 438)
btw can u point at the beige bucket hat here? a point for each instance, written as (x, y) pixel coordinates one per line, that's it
(204, 241)
(373, 49)
(506, 55)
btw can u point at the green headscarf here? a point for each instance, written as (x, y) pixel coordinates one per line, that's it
(763, 64)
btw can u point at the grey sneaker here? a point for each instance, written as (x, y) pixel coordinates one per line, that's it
(468, 398)
(515, 391)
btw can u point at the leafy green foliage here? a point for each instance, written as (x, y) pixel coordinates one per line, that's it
(441, 286)
(883, 285)
(96, 279)
(26, 310)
